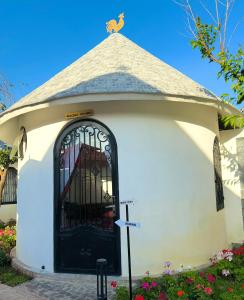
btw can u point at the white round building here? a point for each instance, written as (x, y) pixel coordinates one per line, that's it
(119, 124)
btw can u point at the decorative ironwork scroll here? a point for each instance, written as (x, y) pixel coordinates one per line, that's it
(85, 167)
(86, 198)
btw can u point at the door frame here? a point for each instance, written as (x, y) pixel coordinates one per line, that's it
(71, 125)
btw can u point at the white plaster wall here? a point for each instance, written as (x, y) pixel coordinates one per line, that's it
(165, 165)
(7, 212)
(232, 190)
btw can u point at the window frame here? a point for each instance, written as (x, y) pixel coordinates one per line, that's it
(10, 177)
(219, 191)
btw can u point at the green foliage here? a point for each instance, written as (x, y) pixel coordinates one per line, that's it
(4, 259)
(5, 160)
(235, 121)
(122, 293)
(11, 277)
(205, 39)
(223, 280)
(2, 224)
(7, 238)
(232, 70)
(231, 65)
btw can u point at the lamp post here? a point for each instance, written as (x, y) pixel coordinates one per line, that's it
(102, 279)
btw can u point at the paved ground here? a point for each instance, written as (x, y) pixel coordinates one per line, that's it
(52, 287)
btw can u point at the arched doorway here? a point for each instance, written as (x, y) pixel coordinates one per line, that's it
(86, 200)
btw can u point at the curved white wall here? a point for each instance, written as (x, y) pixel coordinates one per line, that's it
(165, 165)
(232, 185)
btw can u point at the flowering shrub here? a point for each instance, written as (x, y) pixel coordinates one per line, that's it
(223, 280)
(7, 238)
(4, 259)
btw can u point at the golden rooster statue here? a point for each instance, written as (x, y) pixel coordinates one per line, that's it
(113, 26)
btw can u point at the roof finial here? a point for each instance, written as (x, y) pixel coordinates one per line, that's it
(113, 26)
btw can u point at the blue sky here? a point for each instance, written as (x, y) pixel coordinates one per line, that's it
(38, 38)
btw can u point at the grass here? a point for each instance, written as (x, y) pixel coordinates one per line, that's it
(11, 277)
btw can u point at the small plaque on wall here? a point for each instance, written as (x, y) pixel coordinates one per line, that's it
(79, 114)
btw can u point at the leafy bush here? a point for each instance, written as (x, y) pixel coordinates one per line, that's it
(7, 238)
(4, 259)
(223, 280)
(2, 224)
(122, 293)
(5, 159)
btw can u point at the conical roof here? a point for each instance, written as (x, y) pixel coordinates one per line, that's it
(116, 65)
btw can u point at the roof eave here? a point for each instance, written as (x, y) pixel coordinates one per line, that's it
(223, 108)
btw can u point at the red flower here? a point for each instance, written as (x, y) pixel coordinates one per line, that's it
(238, 251)
(113, 284)
(226, 250)
(189, 280)
(230, 289)
(211, 278)
(180, 293)
(208, 290)
(139, 297)
(201, 274)
(162, 296)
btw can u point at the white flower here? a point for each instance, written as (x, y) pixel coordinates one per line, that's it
(220, 255)
(228, 256)
(225, 272)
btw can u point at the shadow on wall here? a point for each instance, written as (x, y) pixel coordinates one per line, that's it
(231, 163)
(231, 160)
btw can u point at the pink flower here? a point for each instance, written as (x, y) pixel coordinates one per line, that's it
(211, 278)
(189, 280)
(162, 296)
(208, 290)
(145, 286)
(201, 274)
(113, 284)
(198, 286)
(154, 284)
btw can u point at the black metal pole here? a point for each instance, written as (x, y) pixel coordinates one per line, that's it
(101, 279)
(128, 246)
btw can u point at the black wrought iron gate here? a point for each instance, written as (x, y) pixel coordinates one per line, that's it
(86, 198)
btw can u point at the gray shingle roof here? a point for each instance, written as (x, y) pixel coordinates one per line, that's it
(116, 65)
